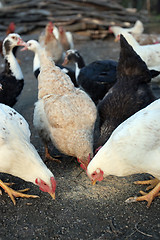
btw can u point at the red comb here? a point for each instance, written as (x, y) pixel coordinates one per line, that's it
(12, 26)
(50, 27)
(100, 175)
(53, 181)
(84, 165)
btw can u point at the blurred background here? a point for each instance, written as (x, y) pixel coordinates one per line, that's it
(87, 19)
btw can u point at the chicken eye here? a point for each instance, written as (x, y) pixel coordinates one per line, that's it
(93, 174)
(13, 37)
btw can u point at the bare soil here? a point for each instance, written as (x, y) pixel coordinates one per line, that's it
(81, 211)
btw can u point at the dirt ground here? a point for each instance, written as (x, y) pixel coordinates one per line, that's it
(81, 211)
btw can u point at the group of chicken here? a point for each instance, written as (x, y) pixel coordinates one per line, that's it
(115, 95)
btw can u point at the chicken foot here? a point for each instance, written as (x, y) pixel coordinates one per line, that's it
(48, 156)
(146, 196)
(152, 182)
(12, 193)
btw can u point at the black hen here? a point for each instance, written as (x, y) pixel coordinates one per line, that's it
(96, 78)
(130, 93)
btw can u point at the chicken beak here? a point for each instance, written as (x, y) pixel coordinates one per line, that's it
(21, 42)
(94, 182)
(116, 39)
(24, 48)
(65, 61)
(53, 195)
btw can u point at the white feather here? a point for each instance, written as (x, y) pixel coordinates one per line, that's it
(134, 146)
(70, 39)
(149, 53)
(17, 155)
(56, 32)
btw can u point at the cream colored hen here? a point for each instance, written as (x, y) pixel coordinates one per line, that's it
(66, 39)
(52, 45)
(63, 114)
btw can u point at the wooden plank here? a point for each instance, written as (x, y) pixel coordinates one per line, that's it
(74, 15)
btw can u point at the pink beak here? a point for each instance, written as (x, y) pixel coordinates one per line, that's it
(21, 43)
(66, 61)
(24, 48)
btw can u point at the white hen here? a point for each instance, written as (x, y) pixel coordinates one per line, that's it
(134, 147)
(137, 29)
(18, 156)
(149, 53)
(137, 33)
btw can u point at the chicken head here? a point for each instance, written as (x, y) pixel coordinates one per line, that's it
(43, 186)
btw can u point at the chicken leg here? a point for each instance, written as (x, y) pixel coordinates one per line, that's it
(12, 193)
(152, 182)
(146, 196)
(48, 156)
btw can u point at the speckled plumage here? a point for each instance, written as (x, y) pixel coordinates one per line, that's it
(66, 113)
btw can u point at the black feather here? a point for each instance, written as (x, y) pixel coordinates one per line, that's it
(11, 87)
(129, 94)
